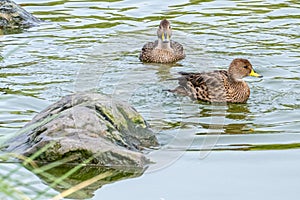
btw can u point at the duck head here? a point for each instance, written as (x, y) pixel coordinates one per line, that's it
(164, 31)
(240, 68)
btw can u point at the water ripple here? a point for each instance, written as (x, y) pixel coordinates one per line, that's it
(88, 44)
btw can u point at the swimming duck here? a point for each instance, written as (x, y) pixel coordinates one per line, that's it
(219, 85)
(163, 50)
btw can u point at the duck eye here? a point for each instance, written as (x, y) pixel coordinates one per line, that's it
(245, 66)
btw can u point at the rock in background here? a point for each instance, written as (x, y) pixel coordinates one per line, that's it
(13, 16)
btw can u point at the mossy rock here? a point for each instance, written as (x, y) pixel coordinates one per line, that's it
(13, 16)
(86, 126)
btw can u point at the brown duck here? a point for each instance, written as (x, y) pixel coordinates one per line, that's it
(163, 50)
(219, 85)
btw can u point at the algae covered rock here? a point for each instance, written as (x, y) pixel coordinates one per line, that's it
(13, 16)
(86, 127)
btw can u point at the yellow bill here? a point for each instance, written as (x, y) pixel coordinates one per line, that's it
(165, 37)
(253, 73)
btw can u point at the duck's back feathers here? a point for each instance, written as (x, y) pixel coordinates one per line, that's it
(178, 50)
(212, 87)
(150, 53)
(145, 54)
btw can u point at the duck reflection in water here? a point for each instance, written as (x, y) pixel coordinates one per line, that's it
(221, 118)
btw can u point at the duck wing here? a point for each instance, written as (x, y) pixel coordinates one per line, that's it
(178, 49)
(145, 54)
(210, 86)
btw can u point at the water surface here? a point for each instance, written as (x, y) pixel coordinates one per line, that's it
(247, 150)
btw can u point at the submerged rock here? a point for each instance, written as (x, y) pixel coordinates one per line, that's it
(13, 16)
(86, 127)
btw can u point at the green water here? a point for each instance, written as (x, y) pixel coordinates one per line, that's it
(253, 152)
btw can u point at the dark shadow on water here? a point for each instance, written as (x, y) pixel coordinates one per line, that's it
(235, 118)
(237, 111)
(81, 181)
(163, 70)
(9, 31)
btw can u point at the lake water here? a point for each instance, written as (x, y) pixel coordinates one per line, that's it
(242, 151)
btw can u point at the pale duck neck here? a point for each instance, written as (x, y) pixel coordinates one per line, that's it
(163, 45)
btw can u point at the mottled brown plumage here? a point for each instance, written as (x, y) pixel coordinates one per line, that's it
(219, 85)
(162, 50)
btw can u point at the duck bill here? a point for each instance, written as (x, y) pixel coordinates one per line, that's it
(165, 37)
(253, 73)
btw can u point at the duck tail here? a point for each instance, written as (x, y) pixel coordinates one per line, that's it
(183, 76)
(169, 90)
(184, 73)
(172, 79)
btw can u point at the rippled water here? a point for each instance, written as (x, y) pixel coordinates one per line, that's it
(95, 45)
